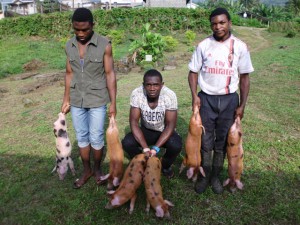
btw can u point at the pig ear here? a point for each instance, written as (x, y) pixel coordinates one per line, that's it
(190, 173)
(110, 192)
(226, 182)
(169, 203)
(159, 212)
(202, 171)
(239, 185)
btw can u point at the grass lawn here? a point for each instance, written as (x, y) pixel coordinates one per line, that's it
(30, 194)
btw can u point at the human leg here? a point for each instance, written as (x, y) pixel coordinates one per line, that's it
(80, 124)
(173, 148)
(87, 171)
(96, 136)
(98, 159)
(208, 116)
(225, 119)
(131, 146)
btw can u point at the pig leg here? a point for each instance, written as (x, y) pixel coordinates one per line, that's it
(194, 179)
(54, 169)
(132, 203)
(181, 167)
(116, 181)
(71, 165)
(148, 206)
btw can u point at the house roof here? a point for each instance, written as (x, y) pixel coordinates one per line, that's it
(21, 1)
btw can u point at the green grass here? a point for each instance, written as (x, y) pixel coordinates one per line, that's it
(31, 195)
(17, 51)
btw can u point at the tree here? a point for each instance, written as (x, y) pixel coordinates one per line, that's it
(249, 3)
(293, 6)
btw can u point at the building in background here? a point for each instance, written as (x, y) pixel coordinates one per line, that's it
(166, 3)
(22, 7)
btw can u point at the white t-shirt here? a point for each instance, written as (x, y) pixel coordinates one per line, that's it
(153, 119)
(219, 64)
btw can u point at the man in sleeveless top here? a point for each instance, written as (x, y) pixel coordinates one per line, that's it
(155, 107)
(220, 65)
(90, 84)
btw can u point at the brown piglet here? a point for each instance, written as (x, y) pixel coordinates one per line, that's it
(116, 155)
(192, 158)
(131, 181)
(235, 156)
(154, 190)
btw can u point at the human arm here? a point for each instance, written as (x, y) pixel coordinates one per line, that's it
(110, 79)
(170, 125)
(244, 91)
(65, 108)
(193, 81)
(134, 117)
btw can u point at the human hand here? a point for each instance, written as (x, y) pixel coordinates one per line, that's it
(239, 112)
(112, 110)
(152, 153)
(196, 102)
(65, 108)
(149, 152)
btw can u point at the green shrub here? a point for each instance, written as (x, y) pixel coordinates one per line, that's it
(190, 37)
(171, 43)
(116, 36)
(291, 34)
(132, 20)
(284, 27)
(64, 41)
(149, 44)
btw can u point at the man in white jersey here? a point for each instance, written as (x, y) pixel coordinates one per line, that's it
(220, 65)
(155, 106)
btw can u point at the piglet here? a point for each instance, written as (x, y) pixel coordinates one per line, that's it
(235, 156)
(116, 155)
(192, 157)
(132, 179)
(154, 190)
(63, 147)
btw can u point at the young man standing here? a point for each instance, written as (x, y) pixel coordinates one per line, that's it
(220, 65)
(155, 106)
(90, 84)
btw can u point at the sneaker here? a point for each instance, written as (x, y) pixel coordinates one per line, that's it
(169, 173)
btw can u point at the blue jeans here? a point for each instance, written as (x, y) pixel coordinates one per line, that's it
(89, 126)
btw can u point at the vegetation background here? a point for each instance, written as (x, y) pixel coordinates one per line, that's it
(30, 194)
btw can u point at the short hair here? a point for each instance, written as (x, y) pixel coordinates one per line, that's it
(219, 11)
(153, 73)
(82, 15)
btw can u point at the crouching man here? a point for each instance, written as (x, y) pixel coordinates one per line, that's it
(155, 106)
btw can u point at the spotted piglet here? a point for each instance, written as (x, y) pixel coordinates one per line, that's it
(154, 190)
(235, 154)
(63, 147)
(132, 179)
